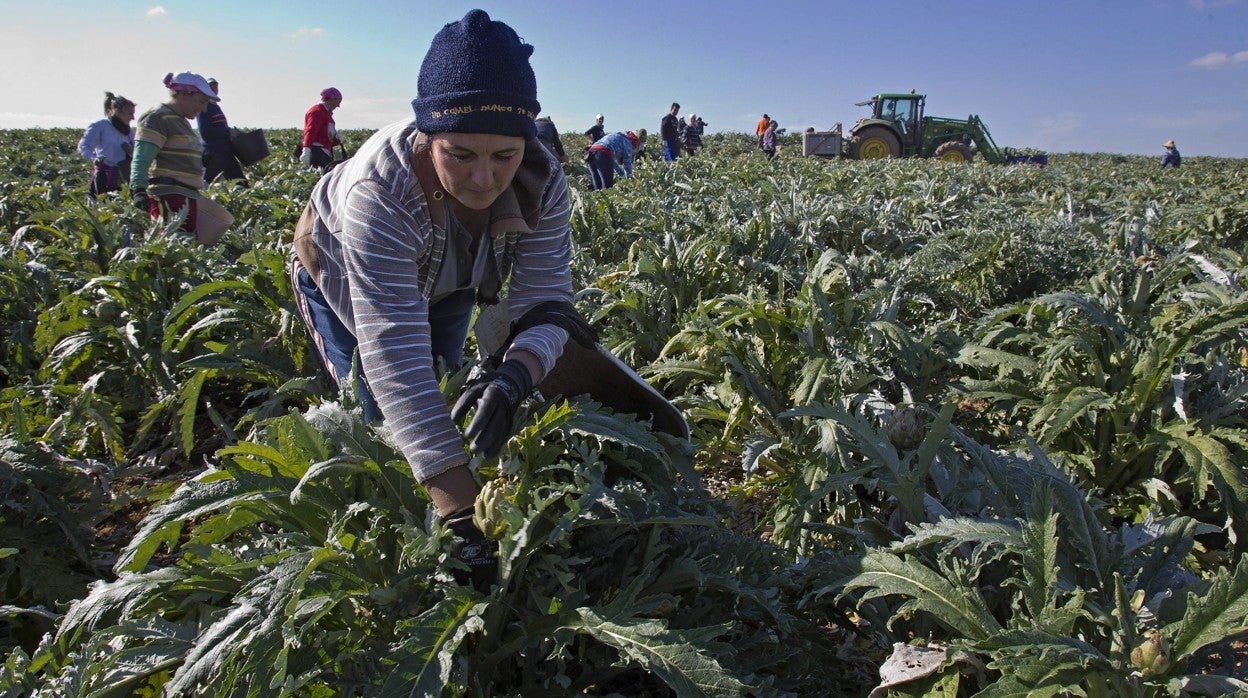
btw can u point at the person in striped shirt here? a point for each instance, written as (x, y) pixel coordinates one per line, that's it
(429, 218)
(166, 145)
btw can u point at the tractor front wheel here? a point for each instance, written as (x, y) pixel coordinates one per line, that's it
(874, 143)
(954, 151)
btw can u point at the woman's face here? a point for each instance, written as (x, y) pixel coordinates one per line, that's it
(126, 113)
(190, 104)
(476, 168)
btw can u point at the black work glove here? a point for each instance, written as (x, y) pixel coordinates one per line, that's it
(495, 394)
(474, 550)
(139, 198)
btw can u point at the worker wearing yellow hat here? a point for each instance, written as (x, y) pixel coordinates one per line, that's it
(1171, 157)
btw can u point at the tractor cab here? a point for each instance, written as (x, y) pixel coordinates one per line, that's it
(904, 113)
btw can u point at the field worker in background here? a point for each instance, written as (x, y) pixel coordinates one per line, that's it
(430, 217)
(639, 153)
(693, 134)
(769, 140)
(611, 154)
(109, 144)
(214, 131)
(669, 131)
(167, 145)
(761, 129)
(320, 133)
(597, 131)
(1171, 157)
(549, 135)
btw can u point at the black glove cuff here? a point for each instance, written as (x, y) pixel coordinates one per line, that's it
(456, 520)
(473, 550)
(512, 377)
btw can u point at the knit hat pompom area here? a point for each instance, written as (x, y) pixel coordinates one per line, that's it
(476, 78)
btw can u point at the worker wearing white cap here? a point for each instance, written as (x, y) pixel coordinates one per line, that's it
(166, 145)
(597, 131)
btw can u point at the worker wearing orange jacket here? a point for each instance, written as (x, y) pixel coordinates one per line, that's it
(761, 128)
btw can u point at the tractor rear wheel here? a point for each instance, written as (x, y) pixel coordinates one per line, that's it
(954, 151)
(874, 143)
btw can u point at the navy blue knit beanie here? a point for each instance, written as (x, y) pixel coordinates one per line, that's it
(476, 78)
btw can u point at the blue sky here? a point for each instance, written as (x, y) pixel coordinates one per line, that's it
(1116, 76)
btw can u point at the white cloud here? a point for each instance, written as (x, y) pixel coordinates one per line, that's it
(1218, 59)
(158, 11)
(308, 33)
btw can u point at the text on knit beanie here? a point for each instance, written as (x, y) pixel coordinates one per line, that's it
(476, 78)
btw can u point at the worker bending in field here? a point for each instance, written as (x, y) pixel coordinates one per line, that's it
(430, 217)
(1171, 157)
(612, 154)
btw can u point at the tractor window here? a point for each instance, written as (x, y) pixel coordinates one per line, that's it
(904, 109)
(902, 113)
(888, 110)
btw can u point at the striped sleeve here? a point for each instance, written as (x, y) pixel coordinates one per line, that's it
(382, 242)
(180, 153)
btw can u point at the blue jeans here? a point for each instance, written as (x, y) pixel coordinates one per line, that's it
(602, 168)
(671, 149)
(334, 341)
(449, 320)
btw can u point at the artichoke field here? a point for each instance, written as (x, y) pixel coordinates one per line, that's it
(957, 430)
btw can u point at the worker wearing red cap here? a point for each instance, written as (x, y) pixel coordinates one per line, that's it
(319, 132)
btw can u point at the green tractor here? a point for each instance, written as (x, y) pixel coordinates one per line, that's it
(898, 128)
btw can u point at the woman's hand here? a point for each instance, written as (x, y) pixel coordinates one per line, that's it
(140, 199)
(495, 395)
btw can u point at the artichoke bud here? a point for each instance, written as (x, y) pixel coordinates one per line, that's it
(1152, 656)
(489, 511)
(107, 310)
(903, 428)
